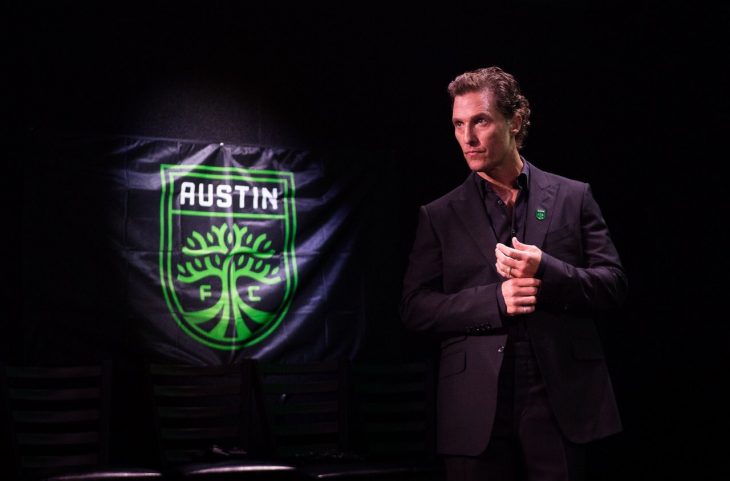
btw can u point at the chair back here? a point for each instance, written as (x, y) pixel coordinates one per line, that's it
(305, 406)
(200, 409)
(57, 417)
(394, 409)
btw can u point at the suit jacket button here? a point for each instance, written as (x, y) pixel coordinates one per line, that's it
(500, 349)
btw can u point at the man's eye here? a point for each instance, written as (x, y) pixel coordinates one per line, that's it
(458, 124)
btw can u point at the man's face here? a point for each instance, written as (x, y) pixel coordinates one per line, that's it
(486, 138)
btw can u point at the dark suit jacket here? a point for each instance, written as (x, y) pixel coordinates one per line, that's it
(450, 289)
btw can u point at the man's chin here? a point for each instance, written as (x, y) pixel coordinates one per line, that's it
(477, 165)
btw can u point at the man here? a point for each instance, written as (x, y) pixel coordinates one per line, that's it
(509, 269)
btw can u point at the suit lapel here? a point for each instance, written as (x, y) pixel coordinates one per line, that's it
(470, 210)
(540, 204)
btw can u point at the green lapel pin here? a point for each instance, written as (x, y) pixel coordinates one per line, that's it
(540, 214)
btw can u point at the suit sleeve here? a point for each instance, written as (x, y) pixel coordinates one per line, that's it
(424, 304)
(600, 282)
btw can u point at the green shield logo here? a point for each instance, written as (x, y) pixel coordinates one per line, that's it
(227, 261)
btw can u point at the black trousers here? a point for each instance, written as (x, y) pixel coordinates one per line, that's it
(526, 442)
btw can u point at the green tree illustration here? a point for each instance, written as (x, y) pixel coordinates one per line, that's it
(228, 253)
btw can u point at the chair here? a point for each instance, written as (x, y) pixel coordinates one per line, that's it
(58, 423)
(308, 420)
(305, 409)
(394, 416)
(203, 418)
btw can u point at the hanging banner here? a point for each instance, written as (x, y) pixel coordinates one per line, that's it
(220, 251)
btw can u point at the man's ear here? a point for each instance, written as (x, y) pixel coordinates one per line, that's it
(515, 124)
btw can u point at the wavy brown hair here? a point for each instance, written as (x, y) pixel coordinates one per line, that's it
(504, 88)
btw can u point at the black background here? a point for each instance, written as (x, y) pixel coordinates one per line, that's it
(628, 97)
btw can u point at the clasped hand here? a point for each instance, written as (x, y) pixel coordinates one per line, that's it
(519, 266)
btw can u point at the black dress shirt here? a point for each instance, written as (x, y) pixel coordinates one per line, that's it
(507, 222)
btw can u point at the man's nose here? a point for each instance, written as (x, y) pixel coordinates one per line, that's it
(469, 137)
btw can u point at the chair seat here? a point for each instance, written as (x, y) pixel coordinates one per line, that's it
(236, 469)
(364, 470)
(357, 470)
(108, 474)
